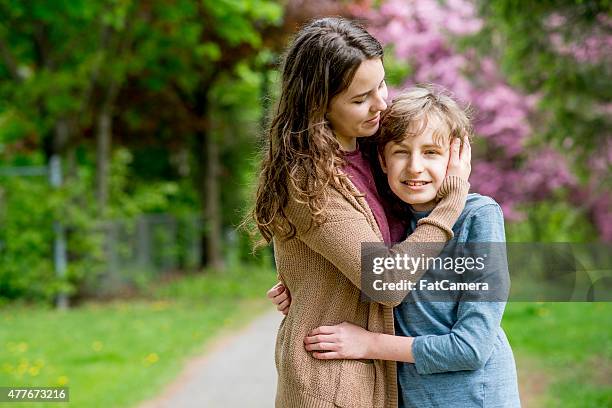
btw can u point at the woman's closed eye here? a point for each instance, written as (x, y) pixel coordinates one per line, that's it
(362, 100)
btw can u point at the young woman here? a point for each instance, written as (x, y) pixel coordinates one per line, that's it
(317, 202)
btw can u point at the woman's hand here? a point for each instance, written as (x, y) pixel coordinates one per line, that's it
(280, 296)
(459, 162)
(342, 341)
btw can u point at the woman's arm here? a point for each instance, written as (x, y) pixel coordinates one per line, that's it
(468, 346)
(339, 239)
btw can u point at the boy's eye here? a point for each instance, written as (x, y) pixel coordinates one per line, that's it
(359, 102)
(431, 152)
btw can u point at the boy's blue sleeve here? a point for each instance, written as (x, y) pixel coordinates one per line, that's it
(472, 338)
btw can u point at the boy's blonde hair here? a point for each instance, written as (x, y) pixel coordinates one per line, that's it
(408, 115)
(415, 108)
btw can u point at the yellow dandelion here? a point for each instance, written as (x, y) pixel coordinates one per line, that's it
(159, 305)
(23, 366)
(152, 358)
(33, 371)
(62, 380)
(97, 345)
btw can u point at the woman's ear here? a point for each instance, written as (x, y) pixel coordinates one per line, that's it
(383, 165)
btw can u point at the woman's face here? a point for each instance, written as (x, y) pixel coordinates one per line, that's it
(355, 112)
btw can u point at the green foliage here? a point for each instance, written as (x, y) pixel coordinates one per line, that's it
(551, 221)
(235, 19)
(181, 72)
(25, 238)
(29, 209)
(396, 71)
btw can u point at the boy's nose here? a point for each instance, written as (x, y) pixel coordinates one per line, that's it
(415, 166)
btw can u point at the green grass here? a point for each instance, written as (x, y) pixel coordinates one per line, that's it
(119, 353)
(570, 347)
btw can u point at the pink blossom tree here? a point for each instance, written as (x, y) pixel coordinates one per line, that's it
(513, 163)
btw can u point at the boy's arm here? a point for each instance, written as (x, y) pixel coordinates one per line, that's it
(467, 347)
(472, 338)
(389, 347)
(281, 297)
(350, 341)
(469, 344)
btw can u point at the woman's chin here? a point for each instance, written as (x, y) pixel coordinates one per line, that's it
(368, 132)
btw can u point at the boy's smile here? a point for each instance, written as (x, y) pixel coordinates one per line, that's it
(416, 166)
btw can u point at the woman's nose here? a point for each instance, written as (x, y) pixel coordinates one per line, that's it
(379, 104)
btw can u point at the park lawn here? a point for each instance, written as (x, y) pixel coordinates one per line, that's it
(119, 353)
(566, 348)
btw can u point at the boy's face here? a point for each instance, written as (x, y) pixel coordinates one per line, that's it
(416, 167)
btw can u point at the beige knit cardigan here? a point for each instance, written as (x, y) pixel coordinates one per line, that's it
(321, 267)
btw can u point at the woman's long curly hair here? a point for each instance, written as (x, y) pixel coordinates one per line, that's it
(302, 153)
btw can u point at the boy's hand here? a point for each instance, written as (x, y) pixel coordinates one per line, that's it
(342, 341)
(459, 162)
(280, 296)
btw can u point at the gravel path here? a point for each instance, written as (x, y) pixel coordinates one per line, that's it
(237, 372)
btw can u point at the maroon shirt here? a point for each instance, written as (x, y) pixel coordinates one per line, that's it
(358, 169)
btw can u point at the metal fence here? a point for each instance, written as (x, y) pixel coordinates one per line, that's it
(134, 251)
(147, 248)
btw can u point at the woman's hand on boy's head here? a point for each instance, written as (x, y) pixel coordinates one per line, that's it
(281, 297)
(460, 160)
(342, 341)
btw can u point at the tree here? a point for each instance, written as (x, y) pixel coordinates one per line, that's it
(518, 160)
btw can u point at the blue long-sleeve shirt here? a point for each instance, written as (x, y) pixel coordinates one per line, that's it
(462, 356)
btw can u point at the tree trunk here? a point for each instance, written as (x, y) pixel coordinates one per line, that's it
(207, 183)
(103, 142)
(104, 129)
(212, 204)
